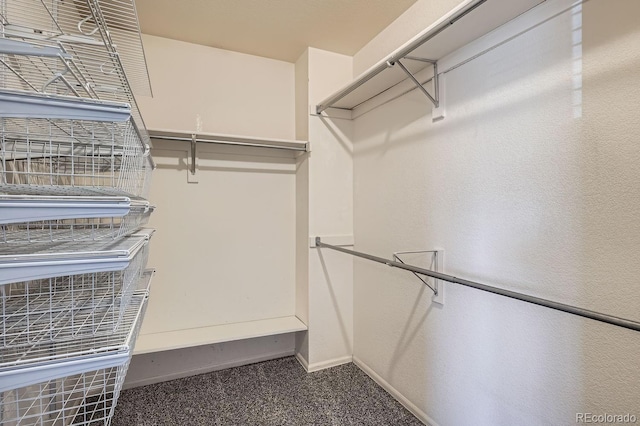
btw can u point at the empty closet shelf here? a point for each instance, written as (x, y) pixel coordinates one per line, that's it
(77, 229)
(68, 307)
(32, 261)
(41, 363)
(21, 104)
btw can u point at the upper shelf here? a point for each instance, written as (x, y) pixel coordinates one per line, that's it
(472, 19)
(219, 138)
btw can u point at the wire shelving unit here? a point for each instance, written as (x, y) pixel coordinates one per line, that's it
(75, 172)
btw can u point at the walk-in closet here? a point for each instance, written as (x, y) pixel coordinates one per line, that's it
(301, 212)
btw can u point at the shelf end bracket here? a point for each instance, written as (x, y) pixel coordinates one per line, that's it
(434, 99)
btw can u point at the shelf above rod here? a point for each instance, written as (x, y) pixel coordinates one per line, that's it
(597, 316)
(472, 19)
(285, 144)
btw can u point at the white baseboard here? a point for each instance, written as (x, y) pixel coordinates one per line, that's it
(317, 366)
(303, 362)
(421, 415)
(208, 369)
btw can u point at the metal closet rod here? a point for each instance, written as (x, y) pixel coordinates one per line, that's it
(620, 322)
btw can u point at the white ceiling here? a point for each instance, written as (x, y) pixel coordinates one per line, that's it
(279, 29)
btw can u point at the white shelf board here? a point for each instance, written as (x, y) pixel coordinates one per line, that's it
(467, 22)
(221, 138)
(169, 340)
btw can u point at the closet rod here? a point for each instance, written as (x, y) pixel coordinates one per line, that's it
(230, 140)
(620, 322)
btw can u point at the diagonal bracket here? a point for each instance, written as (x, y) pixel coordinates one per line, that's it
(434, 99)
(437, 263)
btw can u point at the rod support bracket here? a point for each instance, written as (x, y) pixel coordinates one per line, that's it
(434, 99)
(193, 153)
(433, 287)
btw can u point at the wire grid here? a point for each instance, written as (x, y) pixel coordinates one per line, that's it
(63, 402)
(61, 309)
(88, 31)
(60, 152)
(84, 229)
(80, 347)
(82, 399)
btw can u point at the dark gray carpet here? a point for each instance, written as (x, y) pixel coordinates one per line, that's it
(277, 392)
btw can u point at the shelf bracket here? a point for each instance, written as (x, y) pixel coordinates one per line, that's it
(433, 287)
(434, 99)
(193, 153)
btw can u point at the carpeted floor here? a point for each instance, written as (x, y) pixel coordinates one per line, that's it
(277, 392)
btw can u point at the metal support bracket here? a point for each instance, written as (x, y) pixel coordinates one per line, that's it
(434, 99)
(436, 265)
(193, 154)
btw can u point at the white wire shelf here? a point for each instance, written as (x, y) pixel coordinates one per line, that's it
(62, 308)
(32, 261)
(77, 229)
(70, 153)
(24, 366)
(81, 399)
(96, 41)
(32, 208)
(75, 383)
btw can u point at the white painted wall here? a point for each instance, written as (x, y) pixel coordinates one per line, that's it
(530, 184)
(228, 92)
(329, 207)
(224, 249)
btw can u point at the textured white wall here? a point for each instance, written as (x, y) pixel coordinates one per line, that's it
(223, 91)
(530, 184)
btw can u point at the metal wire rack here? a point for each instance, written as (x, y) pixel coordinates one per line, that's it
(61, 309)
(77, 229)
(62, 402)
(46, 152)
(85, 33)
(63, 393)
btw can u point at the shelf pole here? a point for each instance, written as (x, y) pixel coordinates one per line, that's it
(585, 313)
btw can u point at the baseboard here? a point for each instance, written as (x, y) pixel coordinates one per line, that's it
(421, 415)
(223, 366)
(303, 362)
(317, 366)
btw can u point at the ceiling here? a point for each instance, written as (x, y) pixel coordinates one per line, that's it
(278, 29)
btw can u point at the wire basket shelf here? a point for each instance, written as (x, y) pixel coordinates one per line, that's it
(62, 309)
(77, 229)
(71, 395)
(82, 399)
(44, 152)
(78, 48)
